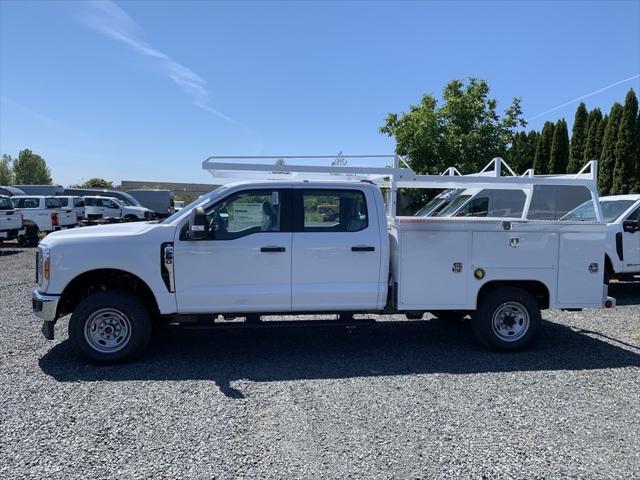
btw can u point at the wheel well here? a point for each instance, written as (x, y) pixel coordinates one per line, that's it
(538, 289)
(608, 265)
(102, 280)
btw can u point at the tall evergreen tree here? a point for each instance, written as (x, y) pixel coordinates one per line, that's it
(625, 167)
(591, 144)
(559, 156)
(636, 188)
(578, 137)
(543, 149)
(533, 139)
(607, 156)
(30, 169)
(600, 137)
(517, 154)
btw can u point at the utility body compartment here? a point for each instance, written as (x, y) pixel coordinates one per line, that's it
(443, 264)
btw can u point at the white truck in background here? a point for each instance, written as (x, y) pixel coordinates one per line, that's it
(309, 239)
(41, 215)
(545, 202)
(73, 203)
(11, 226)
(113, 209)
(622, 215)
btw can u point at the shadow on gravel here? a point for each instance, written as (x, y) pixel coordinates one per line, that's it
(6, 253)
(294, 353)
(625, 293)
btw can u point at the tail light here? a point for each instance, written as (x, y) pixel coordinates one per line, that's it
(54, 219)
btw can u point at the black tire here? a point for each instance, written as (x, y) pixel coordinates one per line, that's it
(514, 329)
(30, 237)
(123, 313)
(449, 315)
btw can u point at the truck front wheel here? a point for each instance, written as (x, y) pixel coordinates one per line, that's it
(30, 237)
(507, 319)
(110, 327)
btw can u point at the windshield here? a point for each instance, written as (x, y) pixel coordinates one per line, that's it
(435, 203)
(611, 210)
(129, 201)
(187, 208)
(453, 206)
(6, 204)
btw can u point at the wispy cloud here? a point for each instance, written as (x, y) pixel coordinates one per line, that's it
(582, 97)
(50, 122)
(109, 19)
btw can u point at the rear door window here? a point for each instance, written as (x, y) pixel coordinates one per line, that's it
(331, 211)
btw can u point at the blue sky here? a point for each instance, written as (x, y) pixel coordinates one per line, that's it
(144, 90)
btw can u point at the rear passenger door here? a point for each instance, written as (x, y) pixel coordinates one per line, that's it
(336, 250)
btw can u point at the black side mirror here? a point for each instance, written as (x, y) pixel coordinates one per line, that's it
(631, 226)
(198, 226)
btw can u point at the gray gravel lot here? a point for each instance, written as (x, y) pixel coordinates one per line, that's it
(395, 400)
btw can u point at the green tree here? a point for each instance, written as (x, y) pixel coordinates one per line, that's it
(591, 146)
(542, 157)
(517, 154)
(578, 138)
(626, 165)
(6, 177)
(607, 156)
(636, 188)
(465, 131)
(30, 169)
(600, 137)
(95, 183)
(559, 156)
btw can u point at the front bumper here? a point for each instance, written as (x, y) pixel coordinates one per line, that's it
(45, 306)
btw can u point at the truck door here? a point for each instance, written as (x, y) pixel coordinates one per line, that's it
(245, 265)
(110, 209)
(336, 250)
(631, 245)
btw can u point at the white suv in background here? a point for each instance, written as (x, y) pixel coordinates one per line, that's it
(622, 214)
(107, 208)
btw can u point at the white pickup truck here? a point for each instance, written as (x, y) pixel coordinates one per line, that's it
(10, 220)
(73, 203)
(622, 214)
(41, 215)
(294, 244)
(107, 208)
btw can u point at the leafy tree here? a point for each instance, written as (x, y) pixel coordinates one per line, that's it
(626, 165)
(30, 169)
(542, 157)
(6, 177)
(95, 183)
(591, 146)
(559, 156)
(517, 155)
(578, 138)
(465, 131)
(607, 156)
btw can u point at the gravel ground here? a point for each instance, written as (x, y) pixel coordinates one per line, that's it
(394, 400)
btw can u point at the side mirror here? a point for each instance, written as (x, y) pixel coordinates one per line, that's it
(631, 226)
(198, 227)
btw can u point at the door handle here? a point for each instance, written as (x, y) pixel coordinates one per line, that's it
(363, 248)
(273, 249)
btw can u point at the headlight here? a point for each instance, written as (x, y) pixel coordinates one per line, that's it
(43, 266)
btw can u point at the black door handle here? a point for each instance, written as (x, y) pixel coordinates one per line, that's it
(273, 249)
(363, 249)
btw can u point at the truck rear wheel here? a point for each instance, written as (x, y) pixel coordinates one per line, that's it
(110, 327)
(507, 319)
(30, 237)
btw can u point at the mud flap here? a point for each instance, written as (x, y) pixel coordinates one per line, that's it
(47, 330)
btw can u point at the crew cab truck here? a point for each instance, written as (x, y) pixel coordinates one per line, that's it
(263, 247)
(10, 220)
(41, 215)
(73, 203)
(622, 215)
(113, 209)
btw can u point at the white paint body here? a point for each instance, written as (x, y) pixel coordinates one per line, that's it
(108, 208)
(319, 272)
(630, 261)
(42, 217)
(10, 220)
(73, 203)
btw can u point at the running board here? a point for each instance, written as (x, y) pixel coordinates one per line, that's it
(281, 324)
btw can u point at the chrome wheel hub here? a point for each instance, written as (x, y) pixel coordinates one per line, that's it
(107, 330)
(510, 321)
